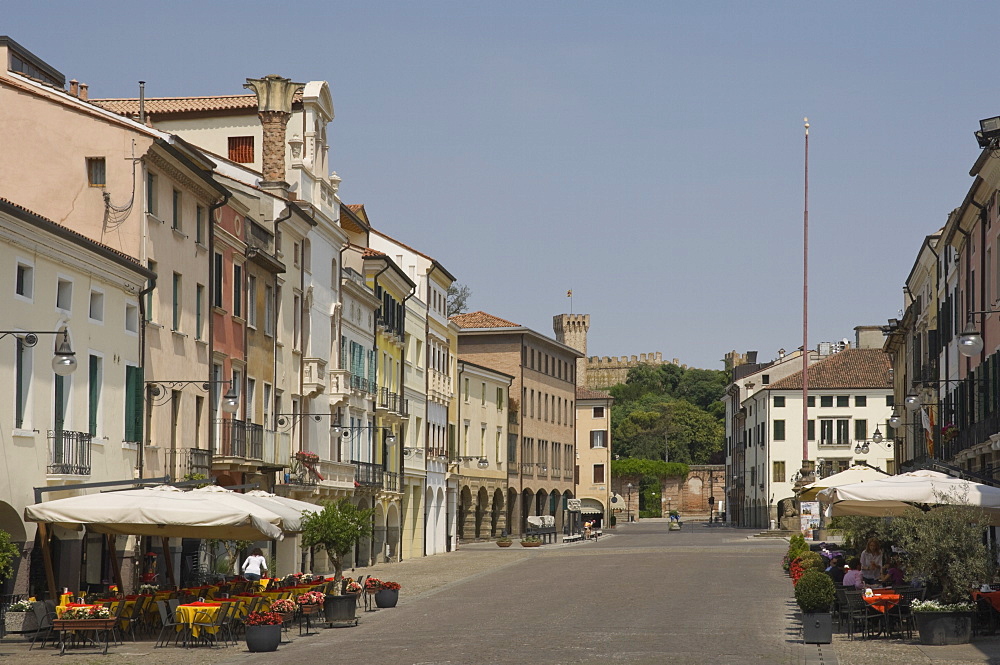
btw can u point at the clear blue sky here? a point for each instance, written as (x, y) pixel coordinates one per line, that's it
(646, 155)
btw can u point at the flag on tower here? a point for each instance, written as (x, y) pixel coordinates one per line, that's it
(569, 294)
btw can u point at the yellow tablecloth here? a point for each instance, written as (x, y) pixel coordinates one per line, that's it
(60, 609)
(190, 614)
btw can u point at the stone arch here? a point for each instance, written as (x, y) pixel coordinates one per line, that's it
(441, 510)
(430, 523)
(378, 534)
(541, 503)
(694, 485)
(363, 548)
(464, 511)
(496, 512)
(482, 503)
(512, 519)
(10, 521)
(527, 503)
(392, 532)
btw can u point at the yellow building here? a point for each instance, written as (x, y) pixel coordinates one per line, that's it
(593, 452)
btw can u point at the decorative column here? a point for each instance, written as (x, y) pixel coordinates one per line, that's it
(274, 108)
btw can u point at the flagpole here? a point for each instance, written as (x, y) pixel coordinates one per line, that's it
(805, 312)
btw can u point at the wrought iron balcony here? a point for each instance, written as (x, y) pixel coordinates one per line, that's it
(392, 402)
(390, 481)
(199, 461)
(238, 438)
(360, 383)
(369, 474)
(69, 453)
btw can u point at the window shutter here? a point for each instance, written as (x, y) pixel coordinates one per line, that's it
(94, 389)
(133, 404)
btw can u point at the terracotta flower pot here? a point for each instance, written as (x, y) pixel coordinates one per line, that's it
(502, 543)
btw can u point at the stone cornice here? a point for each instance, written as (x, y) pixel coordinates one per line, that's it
(168, 168)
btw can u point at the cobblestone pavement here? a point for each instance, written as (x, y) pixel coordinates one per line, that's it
(705, 595)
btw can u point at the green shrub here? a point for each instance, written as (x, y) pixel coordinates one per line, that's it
(810, 560)
(814, 592)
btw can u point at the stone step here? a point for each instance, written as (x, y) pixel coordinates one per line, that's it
(775, 533)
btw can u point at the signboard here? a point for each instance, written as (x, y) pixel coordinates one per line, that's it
(573, 504)
(809, 517)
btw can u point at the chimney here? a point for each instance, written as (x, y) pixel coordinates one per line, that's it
(142, 102)
(83, 91)
(274, 108)
(74, 87)
(751, 357)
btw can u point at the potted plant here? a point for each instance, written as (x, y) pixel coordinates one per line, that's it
(814, 594)
(388, 595)
(263, 631)
(531, 541)
(352, 587)
(20, 618)
(504, 541)
(336, 529)
(284, 607)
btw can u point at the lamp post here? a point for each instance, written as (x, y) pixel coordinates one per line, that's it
(63, 360)
(628, 503)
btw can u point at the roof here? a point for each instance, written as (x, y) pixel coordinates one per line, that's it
(850, 368)
(434, 262)
(372, 253)
(166, 105)
(587, 393)
(482, 320)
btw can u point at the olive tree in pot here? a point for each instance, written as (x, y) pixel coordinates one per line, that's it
(814, 593)
(945, 548)
(337, 529)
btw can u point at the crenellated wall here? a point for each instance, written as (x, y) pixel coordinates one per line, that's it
(604, 372)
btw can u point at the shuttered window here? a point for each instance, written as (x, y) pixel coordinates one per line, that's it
(241, 149)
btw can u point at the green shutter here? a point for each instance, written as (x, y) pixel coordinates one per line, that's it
(94, 388)
(19, 386)
(133, 404)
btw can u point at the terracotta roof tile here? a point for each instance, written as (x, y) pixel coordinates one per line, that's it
(372, 253)
(587, 393)
(166, 105)
(355, 207)
(850, 368)
(482, 320)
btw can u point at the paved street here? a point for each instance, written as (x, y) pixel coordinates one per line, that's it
(705, 595)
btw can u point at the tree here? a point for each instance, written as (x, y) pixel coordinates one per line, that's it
(458, 299)
(8, 554)
(337, 529)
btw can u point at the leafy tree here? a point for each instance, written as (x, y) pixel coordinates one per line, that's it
(458, 299)
(8, 554)
(337, 529)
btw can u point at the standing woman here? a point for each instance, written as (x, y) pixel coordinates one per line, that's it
(255, 565)
(871, 561)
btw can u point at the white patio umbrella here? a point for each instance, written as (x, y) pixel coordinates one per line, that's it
(909, 492)
(855, 474)
(291, 510)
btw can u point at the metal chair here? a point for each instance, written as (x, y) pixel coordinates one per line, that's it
(44, 619)
(167, 621)
(861, 614)
(211, 628)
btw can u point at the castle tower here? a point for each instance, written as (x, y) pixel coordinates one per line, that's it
(571, 330)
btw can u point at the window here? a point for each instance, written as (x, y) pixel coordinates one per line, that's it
(811, 400)
(176, 318)
(499, 399)
(482, 399)
(217, 281)
(175, 213)
(811, 433)
(826, 400)
(96, 172)
(267, 406)
(765, 379)
(64, 294)
(151, 206)
(598, 412)
(132, 317)
(598, 438)
(779, 430)
(199, 225)
(96, 371)
(150, 301)
(96, 306)
(133, 404)
(251, 391)
(241, 149)
(842, 431)
(22, 380)
(779, 400)
(465, 386)
(598, 473)
(777, 472)
(860, 430)
(268, 309)
(296, 321)
(843, 400)
(860, 400)
(237, 290)
(199, 311)
(890, 400)
(252, 301)
(24, 280)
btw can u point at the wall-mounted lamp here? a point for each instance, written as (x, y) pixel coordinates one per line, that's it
(481, 462)
(64, 359)
(912, 401)
(345, 432)
(230, 401)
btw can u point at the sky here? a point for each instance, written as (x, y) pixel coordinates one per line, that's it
(648, 156)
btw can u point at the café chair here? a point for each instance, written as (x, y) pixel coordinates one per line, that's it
(169, 624)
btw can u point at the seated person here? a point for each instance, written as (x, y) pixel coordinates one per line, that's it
(893, 575)
(836, 570)
(853, 576)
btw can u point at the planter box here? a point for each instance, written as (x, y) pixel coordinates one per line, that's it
(341, 609)
(817, 628)
(20, 622)
(505, 544)
(534, 544)
(939, 628)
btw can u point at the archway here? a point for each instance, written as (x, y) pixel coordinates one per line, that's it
(430, 523)
(393, 532)
(441, 510)
(482, 503)
(363, 548)
(527, 502)
(512, 522)
(495, 513)
(464, 510)
(378, 535)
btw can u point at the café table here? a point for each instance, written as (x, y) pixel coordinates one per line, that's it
(189, 615)
(883, 600)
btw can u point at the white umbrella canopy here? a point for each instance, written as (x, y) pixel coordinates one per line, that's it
(162, 511)
(855, 474)
(909, 492)
(291, 510)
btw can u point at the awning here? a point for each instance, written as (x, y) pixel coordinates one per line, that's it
(591, 507)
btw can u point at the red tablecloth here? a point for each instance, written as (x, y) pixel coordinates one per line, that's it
(993, 597)
(883, 601)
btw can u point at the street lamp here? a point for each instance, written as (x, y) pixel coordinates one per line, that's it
(64, 360)
(628, 503)
(340, 430)
(230, 401)
(862, 447)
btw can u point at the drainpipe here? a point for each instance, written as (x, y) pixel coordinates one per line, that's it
(211, 321)
(142, 364)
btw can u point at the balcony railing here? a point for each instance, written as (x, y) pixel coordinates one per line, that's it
(369, 474)
(360, 383)
(393, 402)
(439, 385)
(199, 461)
(391, 481)
(69, 453)
(238, 438)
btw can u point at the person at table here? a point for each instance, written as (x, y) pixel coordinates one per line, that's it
(893, 573)
(836, 570)
(853, 576)
(255, 565)
(871, 561)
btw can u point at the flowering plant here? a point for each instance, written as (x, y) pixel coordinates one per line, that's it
(263, 619)
(148, 588)
(283, 606)
(307, 456)
(20, 606)
(949, 431)
(391, 586)
(95, 612)
(373, 584)
(352, 587)
(935, 606)
(311, 598)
